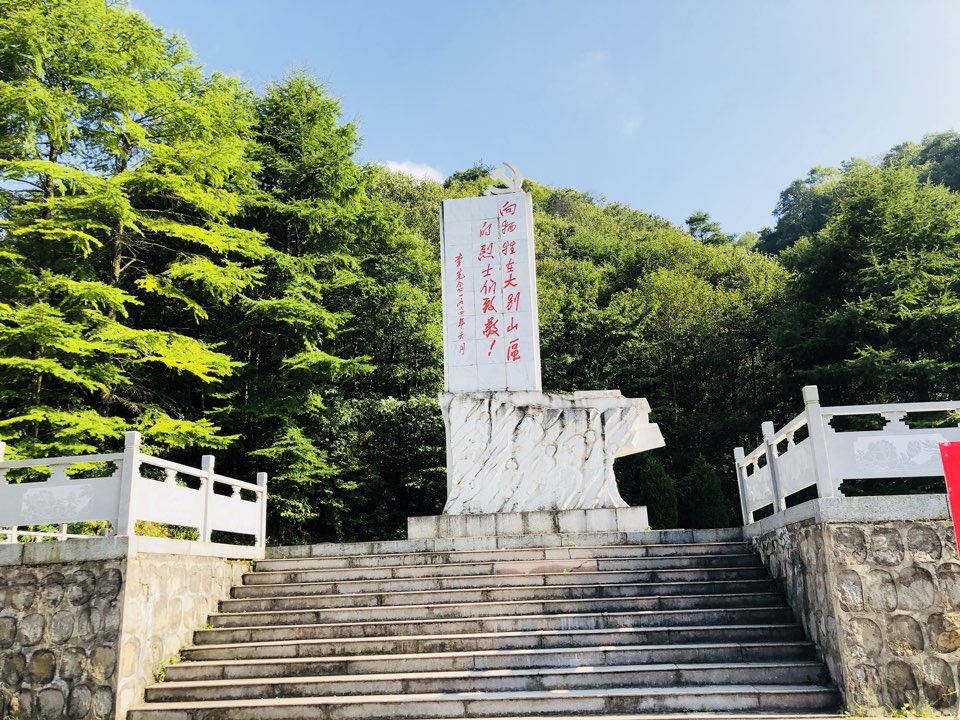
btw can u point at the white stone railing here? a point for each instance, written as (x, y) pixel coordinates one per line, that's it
(827, 457)
(127, 496)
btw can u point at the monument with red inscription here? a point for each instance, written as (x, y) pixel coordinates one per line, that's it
(510, 447)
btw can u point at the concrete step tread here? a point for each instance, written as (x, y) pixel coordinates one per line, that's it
(401, 657)
(695, 691)
(587, 573)
(506, 633)
(683, 716)
(454, 593)
(509, 542)
(484, 618)
(503, 672)
(286, 587)
(581, 555)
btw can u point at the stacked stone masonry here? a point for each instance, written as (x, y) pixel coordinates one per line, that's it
(882, 600)
(81, 640)
(59, 627)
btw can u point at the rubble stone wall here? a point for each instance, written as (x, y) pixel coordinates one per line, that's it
(167, 598)
(59, 633)
(881, 600)
(86, 625)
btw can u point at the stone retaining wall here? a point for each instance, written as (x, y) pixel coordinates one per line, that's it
(86, 624)
(59, 627)
(880, 598)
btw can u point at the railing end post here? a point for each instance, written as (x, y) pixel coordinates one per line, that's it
(262, 482)
(739, 454)
(129, 475)
(207, 463)
(131, 439)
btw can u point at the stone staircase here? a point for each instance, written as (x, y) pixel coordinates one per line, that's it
(589, 624)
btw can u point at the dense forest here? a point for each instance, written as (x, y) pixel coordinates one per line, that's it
(210, 265)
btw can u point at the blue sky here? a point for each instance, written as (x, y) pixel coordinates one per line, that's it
(669, 106)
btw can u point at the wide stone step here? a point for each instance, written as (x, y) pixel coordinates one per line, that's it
(210, 648)
(431, 583)
(642, 597)
(482, 609)
(548, 554)
(701, 587)
(510, 542)
(503, 680)
(294, 629)
(723, 698)
(492, 660)
(507, 567)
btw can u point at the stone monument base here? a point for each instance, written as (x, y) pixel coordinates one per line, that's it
(527, 452)
(544, 522)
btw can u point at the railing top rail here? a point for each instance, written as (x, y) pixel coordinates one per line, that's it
(753, 456)
(791, 427)
(244, 484)
(944, 406)
(69, 460)
(198, 473)
(171, 465)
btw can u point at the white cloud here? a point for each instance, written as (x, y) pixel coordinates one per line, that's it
(418, 171)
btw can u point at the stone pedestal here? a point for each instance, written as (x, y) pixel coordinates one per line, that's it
(511, 452)
(550, 522)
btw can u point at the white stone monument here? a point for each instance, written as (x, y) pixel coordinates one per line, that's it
(510, 447)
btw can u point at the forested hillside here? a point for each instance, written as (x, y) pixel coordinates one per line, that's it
(211, 266)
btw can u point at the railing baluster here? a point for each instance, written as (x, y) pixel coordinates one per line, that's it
(770, 451)
(206, 488)
(738, 458)
(895, 421)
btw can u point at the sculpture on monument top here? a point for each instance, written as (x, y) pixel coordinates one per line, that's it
(510, 447)
(511, 184)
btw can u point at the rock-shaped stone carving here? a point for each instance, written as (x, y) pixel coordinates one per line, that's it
(529, 451)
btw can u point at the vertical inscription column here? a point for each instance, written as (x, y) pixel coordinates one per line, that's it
(491, 335)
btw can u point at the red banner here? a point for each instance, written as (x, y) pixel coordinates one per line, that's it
(950, 453)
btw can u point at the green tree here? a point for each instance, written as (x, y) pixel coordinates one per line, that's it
(121, 166)
(643, 480)
(700, 497)
(341, 339)
(706, 230)
(936, 158)
(872, 312)
(802, 210)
